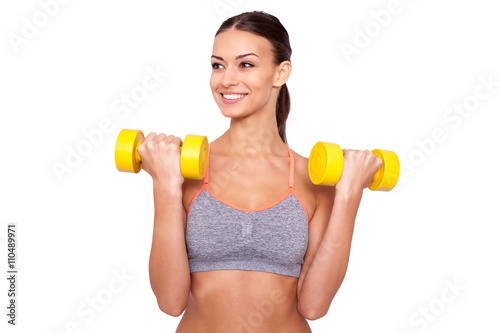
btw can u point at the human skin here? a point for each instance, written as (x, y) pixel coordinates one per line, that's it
(249, 169)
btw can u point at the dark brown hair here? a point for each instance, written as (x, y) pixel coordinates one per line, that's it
(269, 27)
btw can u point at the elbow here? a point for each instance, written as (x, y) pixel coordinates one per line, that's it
(312, 312)
(171, 301)
(174, 309)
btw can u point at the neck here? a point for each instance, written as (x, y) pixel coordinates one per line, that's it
(254, 135)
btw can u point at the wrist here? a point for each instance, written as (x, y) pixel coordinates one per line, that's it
(348, 194)
(169, 187)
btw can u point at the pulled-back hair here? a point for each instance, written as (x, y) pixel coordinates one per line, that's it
(269, 27)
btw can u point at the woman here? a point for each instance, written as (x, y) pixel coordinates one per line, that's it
(239, 251)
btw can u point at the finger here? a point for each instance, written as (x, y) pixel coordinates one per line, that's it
(142, 147)
(174, 140)
(149, 137)
(350, 152)
(177, 141)
(169, 138)
(168, 142)
(160, 137)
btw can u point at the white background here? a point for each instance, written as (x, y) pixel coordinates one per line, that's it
(439, 227)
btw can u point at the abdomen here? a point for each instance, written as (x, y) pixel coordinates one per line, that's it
(242, 301)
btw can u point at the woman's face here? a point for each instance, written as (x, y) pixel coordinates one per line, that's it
(243, 73)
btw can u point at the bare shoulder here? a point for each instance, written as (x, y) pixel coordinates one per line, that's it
(313, 195)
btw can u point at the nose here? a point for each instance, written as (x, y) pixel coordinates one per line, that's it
(229, 78)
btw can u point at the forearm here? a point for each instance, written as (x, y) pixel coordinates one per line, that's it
(168, 263)
(329, 266)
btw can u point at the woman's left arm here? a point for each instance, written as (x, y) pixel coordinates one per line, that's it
(330, 234)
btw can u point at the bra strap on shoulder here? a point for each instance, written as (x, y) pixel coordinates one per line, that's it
(206, 178)
(291, 172)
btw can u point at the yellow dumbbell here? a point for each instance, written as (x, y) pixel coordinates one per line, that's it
(326, 162)
(194, 153)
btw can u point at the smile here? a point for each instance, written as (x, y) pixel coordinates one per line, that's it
(232, 98)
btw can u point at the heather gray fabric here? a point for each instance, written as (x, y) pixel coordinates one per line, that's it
(273, 240)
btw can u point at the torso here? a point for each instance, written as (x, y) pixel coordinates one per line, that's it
(247, 301)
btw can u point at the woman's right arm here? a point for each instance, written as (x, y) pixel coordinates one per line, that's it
(168, 263)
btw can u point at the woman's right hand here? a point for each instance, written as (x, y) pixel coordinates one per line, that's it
(161, 156)
(359, 168)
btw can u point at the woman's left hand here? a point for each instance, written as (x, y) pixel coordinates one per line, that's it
(359, 168)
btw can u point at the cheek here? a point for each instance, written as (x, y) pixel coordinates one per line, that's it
(262, 84)
(213, 82)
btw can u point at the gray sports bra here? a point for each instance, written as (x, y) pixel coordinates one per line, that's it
(272, 239)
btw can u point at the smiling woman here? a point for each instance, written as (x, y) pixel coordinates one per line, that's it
(266, 35)
(255, 246)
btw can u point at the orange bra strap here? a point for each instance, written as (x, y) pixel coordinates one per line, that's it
(290, 177)
(205, 179)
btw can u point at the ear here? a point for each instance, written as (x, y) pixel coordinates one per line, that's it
(283, 72)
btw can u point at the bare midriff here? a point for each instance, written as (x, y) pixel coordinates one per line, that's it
(237, 301)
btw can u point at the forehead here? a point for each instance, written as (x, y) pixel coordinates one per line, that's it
(231, 43)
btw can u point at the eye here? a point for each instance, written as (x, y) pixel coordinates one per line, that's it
(246, 65)
(216, 65)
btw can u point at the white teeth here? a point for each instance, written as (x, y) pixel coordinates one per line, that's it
(233, 96)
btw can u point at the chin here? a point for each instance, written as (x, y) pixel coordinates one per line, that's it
(230, 114)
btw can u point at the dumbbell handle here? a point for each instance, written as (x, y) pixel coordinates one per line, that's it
(137, 157)
(326, 162)
(194, 153)
(126, 138)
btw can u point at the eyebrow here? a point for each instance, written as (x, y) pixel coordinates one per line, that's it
(238, 57)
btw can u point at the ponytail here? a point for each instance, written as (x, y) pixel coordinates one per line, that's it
(282, 111)
(269, 27)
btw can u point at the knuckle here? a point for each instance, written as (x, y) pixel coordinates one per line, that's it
(164, 145)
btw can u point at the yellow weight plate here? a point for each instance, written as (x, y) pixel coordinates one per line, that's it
(386, 178)
(326, 161)
(127, 158)
(194, 155)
